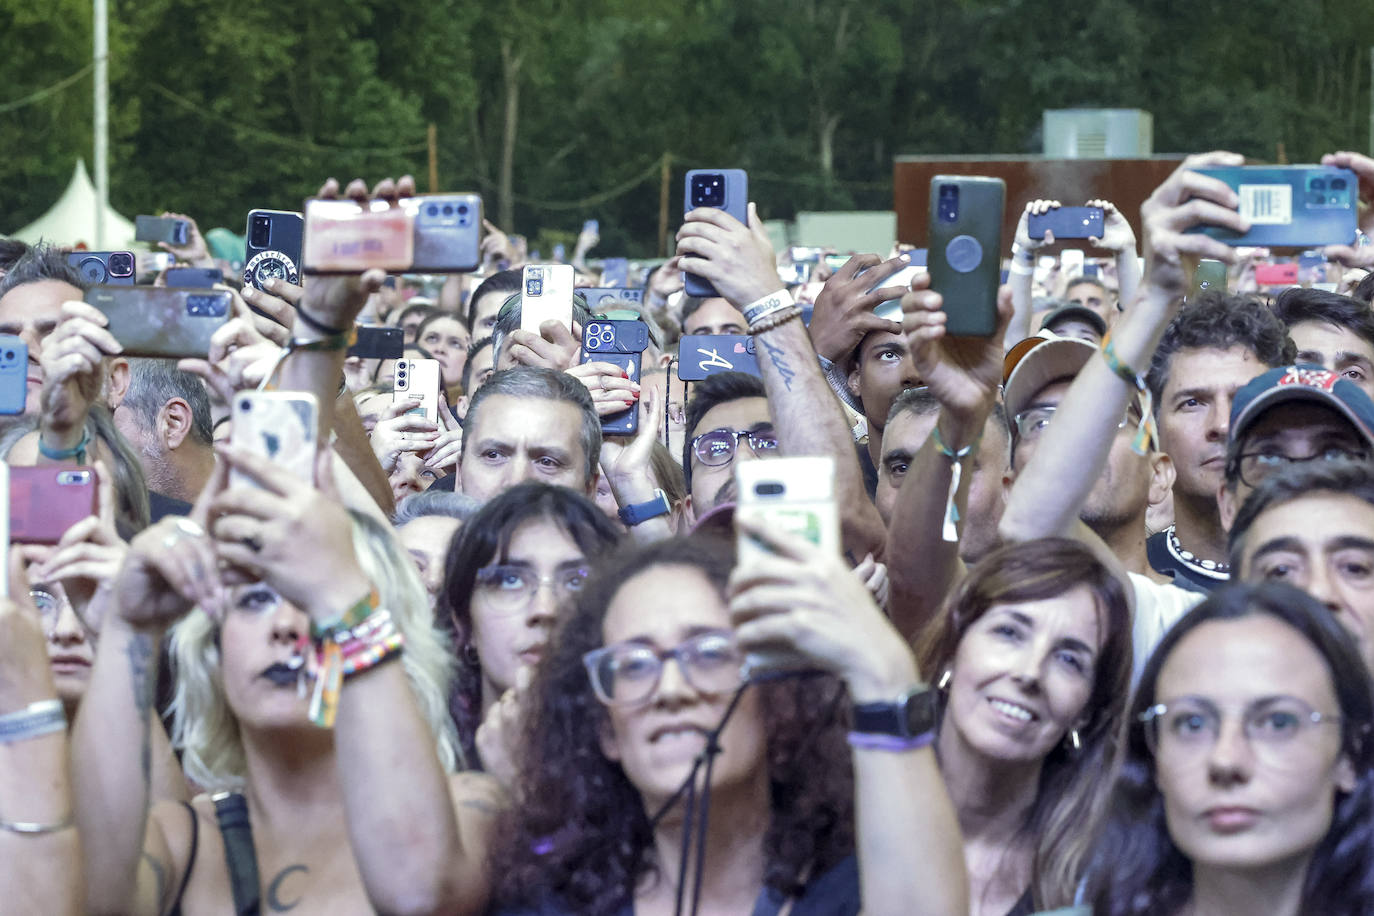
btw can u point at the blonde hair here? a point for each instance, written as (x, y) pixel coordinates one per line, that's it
(204, 727)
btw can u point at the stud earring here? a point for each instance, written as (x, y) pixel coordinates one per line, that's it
(943, 683)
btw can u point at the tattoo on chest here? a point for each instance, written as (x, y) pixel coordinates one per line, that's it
(159, 876)
(275, 891)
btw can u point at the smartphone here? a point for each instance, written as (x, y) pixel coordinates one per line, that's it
(198, 277)
(418, 379)
(599, 297)
(14, 374)
(965, 232)
(114, 268)
(167, 229)
(615, 271)
(795, 496)
(622, 344)
(432, 233)
(280, 426)
(1284, 274)
(1290, 206)
(836, 261)
(1210, 276)
(1091, 270)
(1071, 263)
(274, 247)
(891, 309)
(1067, 223)
(723, 189)
(547, 295)
(700, 355)
(46, 501)
(161, 321)
(375, 342)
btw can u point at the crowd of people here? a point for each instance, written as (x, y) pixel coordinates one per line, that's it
(1097, 639)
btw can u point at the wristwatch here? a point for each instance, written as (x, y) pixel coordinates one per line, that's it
(909, 716)
(641, 512)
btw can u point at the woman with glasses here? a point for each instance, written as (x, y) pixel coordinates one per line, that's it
(509, 571)
(1032, 655)
(657, 780)
(1247, 780)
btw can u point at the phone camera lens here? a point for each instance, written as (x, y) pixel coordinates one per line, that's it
(122, 264)
(1318, 184)
(432, 210)
(9, 354)
(245, 406)
(462, 209)
(1338, 184)
(448, 209)
(92, 270)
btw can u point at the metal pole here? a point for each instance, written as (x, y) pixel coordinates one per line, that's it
(102, 119)
(433, 158)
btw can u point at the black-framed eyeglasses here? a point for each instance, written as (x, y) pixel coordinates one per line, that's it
(1190, 726)
(509, 587)
(627, 674)
(1255, 467)
(717, 447)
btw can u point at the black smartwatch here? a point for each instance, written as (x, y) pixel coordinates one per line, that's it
(911, 715)
(641, 512)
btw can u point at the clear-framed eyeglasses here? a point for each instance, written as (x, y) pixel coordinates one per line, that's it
(1189, 727)
(511, 587)
(628, 673)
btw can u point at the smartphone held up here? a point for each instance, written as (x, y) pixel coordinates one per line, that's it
(720, 189)
(965, 237)
(433, 233)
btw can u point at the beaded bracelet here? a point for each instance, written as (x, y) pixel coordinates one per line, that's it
(775, 320)
(1146, 434)
(349, 619)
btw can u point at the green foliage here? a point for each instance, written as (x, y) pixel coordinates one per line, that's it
(217, 108)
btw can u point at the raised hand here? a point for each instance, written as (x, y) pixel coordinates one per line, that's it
(962, 372)
(399, 431)
(1186, 199)
(736, 259)
(844, 310)
(1117, 234)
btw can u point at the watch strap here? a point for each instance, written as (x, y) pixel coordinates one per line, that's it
(909, 716)
(635, 513)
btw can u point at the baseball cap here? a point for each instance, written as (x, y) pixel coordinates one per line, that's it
(1302, 383)
(1078, 313)
(1038, 361)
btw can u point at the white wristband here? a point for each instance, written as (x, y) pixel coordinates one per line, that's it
(757, 310)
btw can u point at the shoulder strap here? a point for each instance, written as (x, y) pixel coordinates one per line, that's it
(190, 860)
(231, 809)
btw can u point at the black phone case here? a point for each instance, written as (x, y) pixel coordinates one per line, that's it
(379, 343)
(736, 204)
(966, 251)
(1067, 223)
(607, 341)
(700, 355)
(280, 258)
(195, 277)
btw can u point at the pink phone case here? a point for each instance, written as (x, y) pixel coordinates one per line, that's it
(46, 501)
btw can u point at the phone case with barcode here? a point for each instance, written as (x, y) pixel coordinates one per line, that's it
(1295, 206)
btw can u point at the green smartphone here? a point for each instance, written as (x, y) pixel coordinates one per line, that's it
(965, 257)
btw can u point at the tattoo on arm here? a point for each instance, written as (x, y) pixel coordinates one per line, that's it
(142, 654)
(779, 362)
(274, 889)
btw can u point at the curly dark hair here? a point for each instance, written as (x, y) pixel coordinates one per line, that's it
(485, 539)
(1073, 784)
(579, 825)
(1217, 321)
(1159, 879)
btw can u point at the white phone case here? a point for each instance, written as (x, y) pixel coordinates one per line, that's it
(279, 426)
(792, 495)
(546, 295)
(418, 379)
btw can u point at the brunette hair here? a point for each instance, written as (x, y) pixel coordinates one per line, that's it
(485, 539)
(1074, 784)
(1340, 875)
(579, 826)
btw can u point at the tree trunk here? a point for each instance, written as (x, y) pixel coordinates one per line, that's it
(510, 66)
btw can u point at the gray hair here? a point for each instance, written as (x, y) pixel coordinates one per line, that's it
(154, 382)
(42, 262)
(533, 382)
(508, 319)
(431, 503)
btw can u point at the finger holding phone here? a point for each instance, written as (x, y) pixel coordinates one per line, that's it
(802, 600)
(554, 347)
(269, 525)
(399, 431)
(610, 389)
(1187, 199)
(73, 365)
(964, 373)
(88, 556)
(272, 313)
(239, 358)
(195, 252)
(736, 259)
(844, 316)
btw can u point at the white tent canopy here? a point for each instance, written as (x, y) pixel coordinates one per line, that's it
(72, 220)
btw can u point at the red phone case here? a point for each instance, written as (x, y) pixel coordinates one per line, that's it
(46, 501)
(1276, 274)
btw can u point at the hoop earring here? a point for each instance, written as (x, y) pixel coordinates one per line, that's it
(943, 683)
(1074, 741)
(470, 655)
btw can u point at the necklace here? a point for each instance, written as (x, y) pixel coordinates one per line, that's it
(1210, 567)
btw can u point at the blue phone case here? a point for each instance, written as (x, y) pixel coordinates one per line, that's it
(14, 374)
(1294, 206)
(732, 196)
(1067, 223)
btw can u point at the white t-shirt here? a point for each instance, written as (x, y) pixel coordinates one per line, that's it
(1158, 607)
